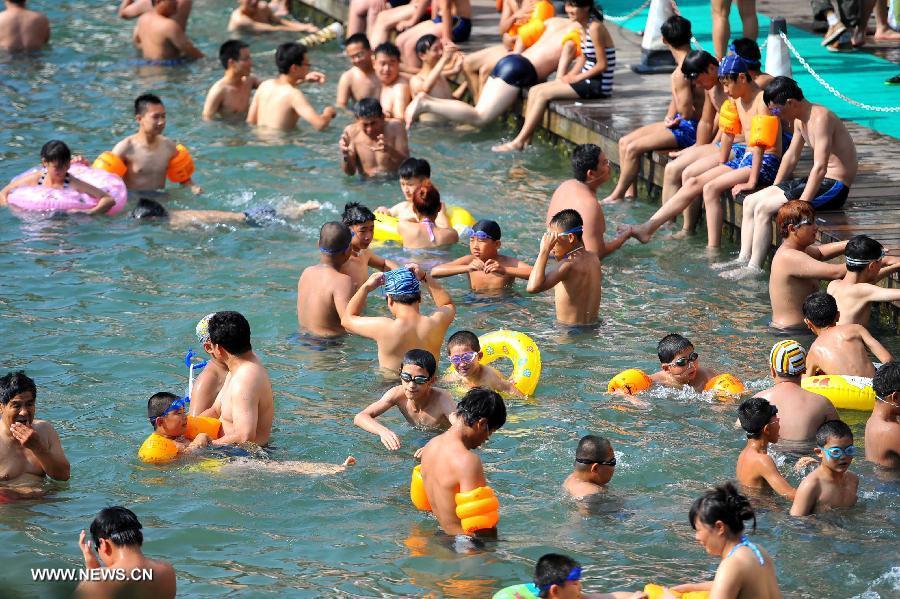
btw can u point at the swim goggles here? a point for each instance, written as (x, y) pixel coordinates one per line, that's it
(418, 379)
(465, 358)
(479, 235)
(862, 261)
(774, 111)
(573, 576)
(578, 229)
(334, 252)
(682, 362)
(176, 405)
(610, 462)
(836, 453)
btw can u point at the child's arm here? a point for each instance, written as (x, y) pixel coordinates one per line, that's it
(538, 280)
(806, 497)
(437, 71)
(881, 294)
(706, 128)
(727, 141)
(349, 160)
(461, 265)
(521, 270)
(827, 251)
(881, 352)
(365, 326)
(199, 442)
(810, 268)
(890, 264)
(776, 481)
(366, 419)
(343, 90)
(382, 264)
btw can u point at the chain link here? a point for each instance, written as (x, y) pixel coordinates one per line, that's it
(828, 86)
(633, 13)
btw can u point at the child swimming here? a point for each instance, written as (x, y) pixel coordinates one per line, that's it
(866, 265)
(414, 173)
(831, 485)
(595, 464)
(464, 352)
(883, 427)
(680, 364)
(486, 267)
(755, 468)
(168, 415)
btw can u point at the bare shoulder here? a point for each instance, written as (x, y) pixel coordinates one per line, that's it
(44, 429)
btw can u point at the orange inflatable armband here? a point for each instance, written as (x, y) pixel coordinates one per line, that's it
(531, 31)
(630, 382)
(725, 386)
(729, 121)
(477, 509)
(109, 162)
(157, 449)
(763, 131)
(181, 166)
(203, 424)
(417, 491)
(655, 591)
(575, 37)
(543, 10)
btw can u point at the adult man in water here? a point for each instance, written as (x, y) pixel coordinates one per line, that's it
(449, 466)
(29, 448)
(245, 404)
(132, 9)
(373, 146)
(360, 80)
(211, 379)
(22, 30)
(278, 104)
(253, 16)
(591, 170)
(409, 328)
(230, 95)
(160, 37)
(883, 426)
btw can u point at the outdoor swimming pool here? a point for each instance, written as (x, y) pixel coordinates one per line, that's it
(100, 313)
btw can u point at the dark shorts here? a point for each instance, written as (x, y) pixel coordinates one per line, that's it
(589, 89)
(685, 133)
(831, 194)
(515, 70)
(396, 3)
(767, 170)
(260, 216)
(462, 28)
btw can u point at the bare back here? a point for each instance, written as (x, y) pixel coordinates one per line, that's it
(840, 350)
(411, 332)
(157, 37)
(578, 294)
(447, 468)
(275, 105)
(883, 439)
(800, 412)
(248, 393)
(576, 195)
(161, 586)
(23, 30)
(742, 571)
(852, 301)
(322, 294)
(417, 235)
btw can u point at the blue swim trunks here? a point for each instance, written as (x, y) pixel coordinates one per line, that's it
(767, 171)
(737, 150)
(461, 28)
(830, 195)
(685, 132)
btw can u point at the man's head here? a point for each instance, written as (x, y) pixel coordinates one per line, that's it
(361, 222)
(387, 63)
(820, 310)
(796, 219)
(359, 51)
(413, 172)
(401, 287)
(17, 399)
(886, 384)
(481, 411)
(589, 165)
(464, 352)
(835, 448)
(484, 240)
(784, 98)
(150, 114)
(787, 360)
(370, 117)
(165, 8)
(557, 577)
(568, 226)
(229, 335)
(168, 414)
(147, 209)
(734, 75)
(595, 458)
(202, 332)
(701, 67)
(676, 32)
(864, 255)
(334, 242)
(427, 201)
(115, 527)
(747, 49)
(235, 55)
(429, 49)
(678, 358)
(417, 374)
(759, 419)
(291, 60)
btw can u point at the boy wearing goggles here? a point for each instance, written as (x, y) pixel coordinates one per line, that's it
(831, 485)
(464, 352)
(595, 464)
(680, 364)
(866, 265)
(168, 416)
(883, 426)
(486, 267)
(755, 467)
(422, 404)
(559, 577)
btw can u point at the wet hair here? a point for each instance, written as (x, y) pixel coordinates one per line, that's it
(367, 108)
(144, 101)
(723, 503)
(406, 298)
(414, 167)
(820, 309)
(157, 404)
(887, 379)
(356, 214)
(334, 237)
(585, 158)
(670, 346)
(568, 219)
(754, 414)
(425, 43)
(119, 526)
(358, 38)
(595, 11)
(861, 251)
(551, 569)
(287, 55)
(421, 358)
(836, 429)
(479, 403)
(781, 89)
(427, 201)
(230, 330)
(231, 50)
(388, 49)
(676, 31)
(15, 383)
(747, 49)
(591, 448)
(56, 152)
(793, 212)
(147, 208)
(464, 339)
(697, 62)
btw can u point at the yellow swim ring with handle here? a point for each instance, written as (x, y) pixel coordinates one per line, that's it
(386, 225)
(655, 591)
(845, 392)
(521, 350)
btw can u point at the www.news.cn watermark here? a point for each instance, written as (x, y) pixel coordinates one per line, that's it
(91, 575)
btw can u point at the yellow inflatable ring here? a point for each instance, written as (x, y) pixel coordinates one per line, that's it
(386, 225)
(521, 350)
(725, 386)
(655, 591)
(845, 392)
(630, 382)
(417, 491)
(477, 509)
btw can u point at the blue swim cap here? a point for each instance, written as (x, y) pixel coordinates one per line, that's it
(732, 65)
(400, 282)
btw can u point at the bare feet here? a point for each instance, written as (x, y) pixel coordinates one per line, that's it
(413, 110)
(610, 199)
(887, 35)
(508, 147)
(641, 233)
(349, 461)
(682, 234)
(858, 38)
(744, 272)
(729, 264)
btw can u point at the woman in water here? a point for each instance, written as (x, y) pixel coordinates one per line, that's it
(423, 232)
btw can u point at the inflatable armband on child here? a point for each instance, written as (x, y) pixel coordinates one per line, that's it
(109, 162)
(655, 591)
(729, 121)
(181, 166)
(417, 491)
(763, 131)
(203, 424)
(157, 449)
(531, 31)
(477, 509)
(725, 386)
(543, 10)
(630, 382)
(575, 37)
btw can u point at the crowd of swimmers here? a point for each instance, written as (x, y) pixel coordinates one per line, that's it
(715, 101)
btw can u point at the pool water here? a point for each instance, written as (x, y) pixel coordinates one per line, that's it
(100, 312)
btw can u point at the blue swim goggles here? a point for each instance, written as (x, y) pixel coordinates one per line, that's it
(479, 235)
(836, 453)
(176, 405)
(574, 575)
(578, 229)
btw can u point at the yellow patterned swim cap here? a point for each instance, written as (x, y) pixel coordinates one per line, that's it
(202, 329)
(788, 357)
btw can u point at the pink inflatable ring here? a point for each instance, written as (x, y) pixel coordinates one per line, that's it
(38, 198)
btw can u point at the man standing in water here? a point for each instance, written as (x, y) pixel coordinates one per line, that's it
(373, 145)
(230, 95)
(245, 404)
(29, 448)
(132, 9)
(160, 37)
(22, 29)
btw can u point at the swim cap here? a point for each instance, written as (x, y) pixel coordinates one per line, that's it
(400, 282)
(202, 329)
(788, 357)
(488, 227)
(732, 65)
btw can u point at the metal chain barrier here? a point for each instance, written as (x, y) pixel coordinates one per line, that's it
(630, 15)
(828, 86)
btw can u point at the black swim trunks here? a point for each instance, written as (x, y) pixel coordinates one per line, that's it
(589, 89)
(831, 194)
(515, 70)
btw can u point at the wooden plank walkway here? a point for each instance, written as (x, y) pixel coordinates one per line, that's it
(874, 204)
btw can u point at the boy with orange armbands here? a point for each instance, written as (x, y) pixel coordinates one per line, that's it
(145, 159)
(173, 432)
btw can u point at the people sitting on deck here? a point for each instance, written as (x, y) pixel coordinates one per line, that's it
(160, 37)
(867, 263)
(21, 29)
(373, 146)
(678, 129)
(478, 65)
(748, 49)
(439, 61)
(254, 16)
(451, 20)
(590, 77)
(230, 95)
(360, 80)
(399, 17)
